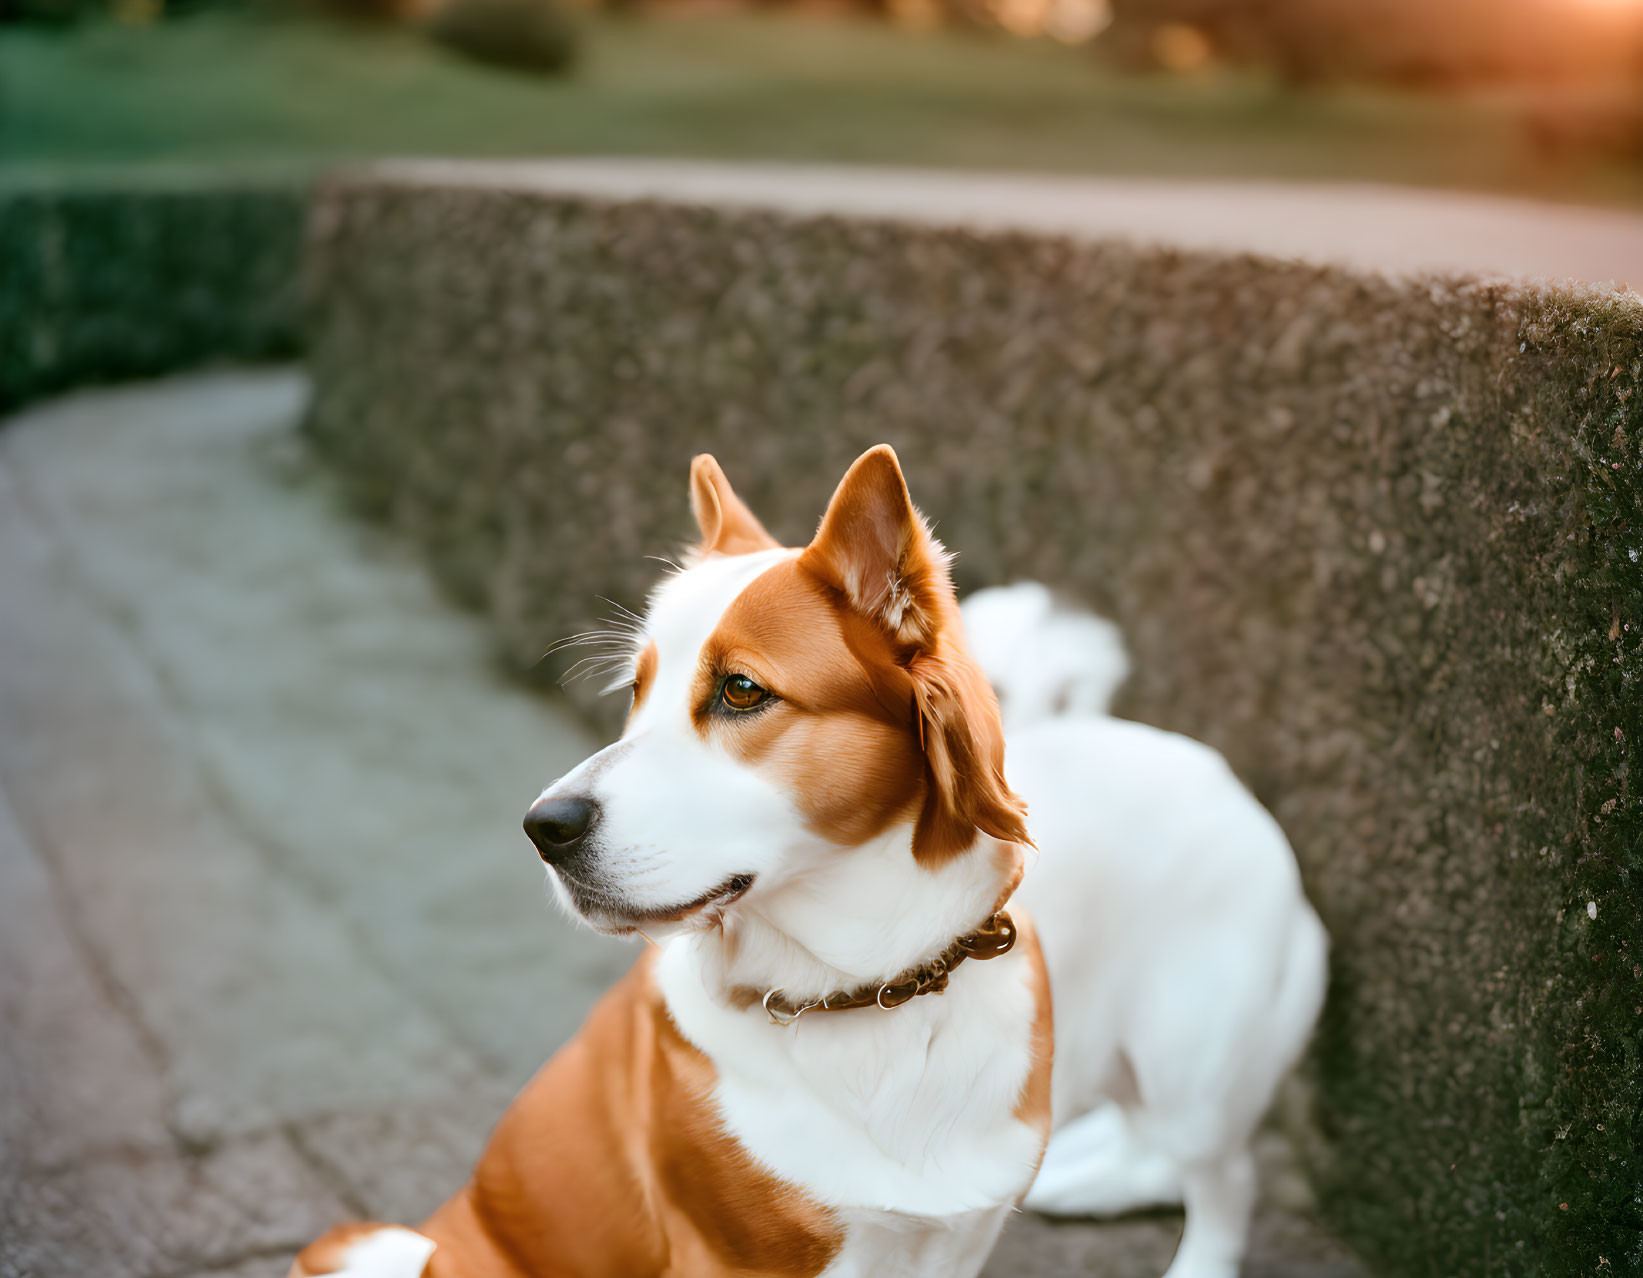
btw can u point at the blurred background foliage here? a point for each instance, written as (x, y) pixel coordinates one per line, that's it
(1540, 97)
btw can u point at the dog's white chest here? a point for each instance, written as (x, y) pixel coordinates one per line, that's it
(909, 1113)
(885, 1245)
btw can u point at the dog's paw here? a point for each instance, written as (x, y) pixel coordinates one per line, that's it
(364, 1251)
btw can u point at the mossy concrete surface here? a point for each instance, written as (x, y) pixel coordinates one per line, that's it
(124, 279)
(1378, 541)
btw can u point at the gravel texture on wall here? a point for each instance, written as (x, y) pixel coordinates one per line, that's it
(1378, 541)
(109, 282)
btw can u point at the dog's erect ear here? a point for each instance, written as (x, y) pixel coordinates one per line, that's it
(875, 549)
(728, 526)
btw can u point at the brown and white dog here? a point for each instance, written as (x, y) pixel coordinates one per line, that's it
(815, 1072)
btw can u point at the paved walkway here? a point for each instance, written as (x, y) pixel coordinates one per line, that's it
(1393, 230)
(272, 949)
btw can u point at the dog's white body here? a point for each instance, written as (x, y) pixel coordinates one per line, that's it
(1044, 658)
(1237, 967)
(1187, 970)
(1186, 966)
(903, 1126)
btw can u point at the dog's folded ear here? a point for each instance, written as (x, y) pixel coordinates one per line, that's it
(877, 551)
(964, 758)
(728, 527)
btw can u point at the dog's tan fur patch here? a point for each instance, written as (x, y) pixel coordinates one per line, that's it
(613, 1161)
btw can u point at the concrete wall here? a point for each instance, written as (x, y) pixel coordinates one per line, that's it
(1378, 541)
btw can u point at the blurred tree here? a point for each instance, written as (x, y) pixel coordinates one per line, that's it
(129, 12)
(50, 12)
(524, 35)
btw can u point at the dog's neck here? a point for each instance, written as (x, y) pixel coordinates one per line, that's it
(862, 915)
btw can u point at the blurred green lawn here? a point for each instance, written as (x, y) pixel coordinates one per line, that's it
(248, 89)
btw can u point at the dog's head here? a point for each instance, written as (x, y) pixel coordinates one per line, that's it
(787, 704)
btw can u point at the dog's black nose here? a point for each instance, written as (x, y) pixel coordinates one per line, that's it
(557, 826)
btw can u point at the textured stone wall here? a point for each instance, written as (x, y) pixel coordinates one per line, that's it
(1378, 542)
(118, 281)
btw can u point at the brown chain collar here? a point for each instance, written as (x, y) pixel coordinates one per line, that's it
(992, 938)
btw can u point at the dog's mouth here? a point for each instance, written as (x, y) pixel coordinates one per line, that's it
(616, 917)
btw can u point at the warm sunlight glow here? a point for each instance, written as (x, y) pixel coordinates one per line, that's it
(1070, 21)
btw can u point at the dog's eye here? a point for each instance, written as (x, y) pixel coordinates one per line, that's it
(741, 693)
